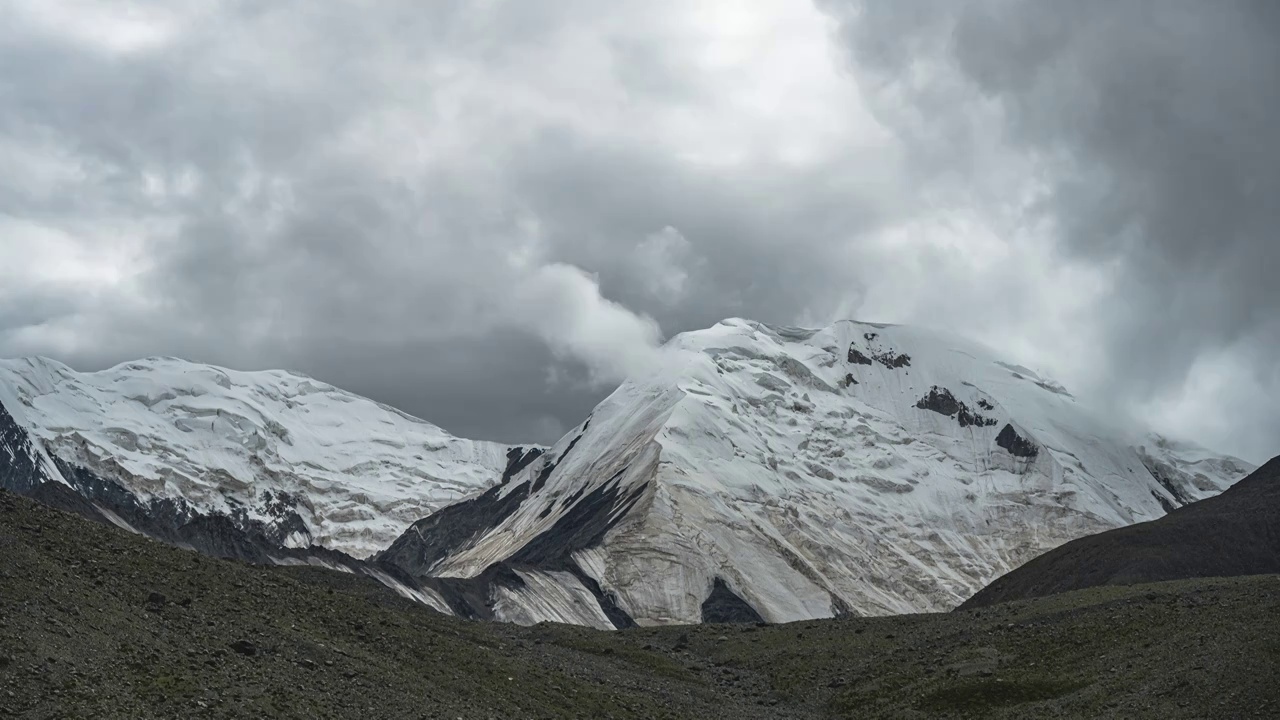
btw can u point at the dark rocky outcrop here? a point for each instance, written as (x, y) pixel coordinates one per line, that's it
(1235, 533)
(724, 606)
(236, 535)
(607, 600)
(967, 417)
(518, 459)
(1165, 475)
(840, 608)
(549, 467)
(856, 356)
(449, 529)
(941, 401)
(888, 358)
(583, 526)
(472, 598)
(1018, 446)
(892, 360)
(20, 469)
(1165, 502)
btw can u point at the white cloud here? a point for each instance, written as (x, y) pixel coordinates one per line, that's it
(114, 27)
(562, 305)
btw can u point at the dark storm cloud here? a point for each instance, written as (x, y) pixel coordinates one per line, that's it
(485, 213)
(1152, 126)
(396, 200)
(24, 309)
(763, 245)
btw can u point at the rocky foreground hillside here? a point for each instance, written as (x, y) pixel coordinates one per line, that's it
(98, 622)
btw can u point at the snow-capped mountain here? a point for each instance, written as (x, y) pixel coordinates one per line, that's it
(760, 473)
(301, 461)
(785, 474)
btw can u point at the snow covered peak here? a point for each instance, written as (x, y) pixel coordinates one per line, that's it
(859, 468)
(755, 472)
(229, 442)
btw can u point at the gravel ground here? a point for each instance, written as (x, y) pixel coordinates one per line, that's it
(98, 623)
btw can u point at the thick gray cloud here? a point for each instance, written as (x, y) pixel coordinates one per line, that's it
(486, 213)
(1145, 134)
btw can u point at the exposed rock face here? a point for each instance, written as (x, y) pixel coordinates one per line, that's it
(22, 467)
(855, 356)
(941, 401)
(966, 417)
(893, 360)
(433, 538)
(1018, 446)
(724, 606)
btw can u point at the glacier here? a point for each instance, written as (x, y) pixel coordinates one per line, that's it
(858, 468)
(756, 473)
(354, 473)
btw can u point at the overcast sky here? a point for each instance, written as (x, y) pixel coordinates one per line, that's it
(486, 212)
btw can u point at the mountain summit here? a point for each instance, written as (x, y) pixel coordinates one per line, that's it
(297, 459)
(783, 473)
(760, 473)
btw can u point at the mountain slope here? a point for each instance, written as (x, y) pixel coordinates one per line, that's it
(759, 473)
(1235, 533)
(296, 461)
(96, 622)
(792, 474)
